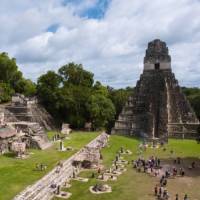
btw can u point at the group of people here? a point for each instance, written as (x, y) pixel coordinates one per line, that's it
(151, 165)
(160, 190)
(185, 197)
(161, 193)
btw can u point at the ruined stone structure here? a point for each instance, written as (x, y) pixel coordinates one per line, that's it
(7, 136)
(28, 110)
(42, 190)
(32, 134)
(158, 108)
(90, 156)
(66, 129)
(12, 130)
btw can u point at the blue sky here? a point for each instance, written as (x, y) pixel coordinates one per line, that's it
(95, 11)
(109, 37)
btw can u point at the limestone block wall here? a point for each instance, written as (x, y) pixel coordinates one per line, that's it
(158, 101)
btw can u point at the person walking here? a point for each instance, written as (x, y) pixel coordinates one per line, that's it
(186, 197)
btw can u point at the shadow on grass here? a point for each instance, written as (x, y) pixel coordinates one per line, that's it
(10, 155)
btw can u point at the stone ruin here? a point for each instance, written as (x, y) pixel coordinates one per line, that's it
(100, 188)
(1, 118)
(30, 134)
(88, 126)
(90, 156)
(19, 148)
(26, 109)
(7, 136)
(43, 189)
(20, 124)
(158, 108)
(66, 130)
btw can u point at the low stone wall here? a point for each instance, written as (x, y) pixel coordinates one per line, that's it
(42, 189)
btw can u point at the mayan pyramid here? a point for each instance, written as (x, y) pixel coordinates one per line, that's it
(158, 108)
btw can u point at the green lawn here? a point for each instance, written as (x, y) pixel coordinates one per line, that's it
(139, 186)
(16, 174)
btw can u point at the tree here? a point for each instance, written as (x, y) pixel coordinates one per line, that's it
(75, 74)
(29, 88)
(26, 87)
(73, 107)
(100, 89)
(65, 94)
(48, 86)
(12, 79)
(9, 72)
(101, 110)
(5, 92)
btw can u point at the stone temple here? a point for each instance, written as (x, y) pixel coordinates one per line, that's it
(158, 108)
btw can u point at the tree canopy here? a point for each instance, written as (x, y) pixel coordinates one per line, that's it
(71, 96)
(12, 80)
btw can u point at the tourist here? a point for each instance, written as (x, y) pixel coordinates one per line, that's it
(193, 165)
(58, 190)
(164, 183)
(156, 190)
(165, 195)
(53, 185)
(174, 161)
(158, 162)
(167, 174)
(74, 174)
(117, 158)
(182, 172)
(176, 197)
(58, 169)
(99, 170)
(37, 166)
(186, 197)
(174, 172)
(93, 175)
(179, 160)
(161, 191)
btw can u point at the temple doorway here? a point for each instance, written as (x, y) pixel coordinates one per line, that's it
(157, 66)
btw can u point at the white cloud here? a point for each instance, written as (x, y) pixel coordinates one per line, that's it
(112, 47)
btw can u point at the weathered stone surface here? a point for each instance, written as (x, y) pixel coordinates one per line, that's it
(1, 117)
(66, 129)
(7, 136)
(29, 110)
(42, 189)
(34, 134)
(158, 108)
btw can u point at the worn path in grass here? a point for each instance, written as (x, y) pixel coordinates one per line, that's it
(16, 174)
(139, 186)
